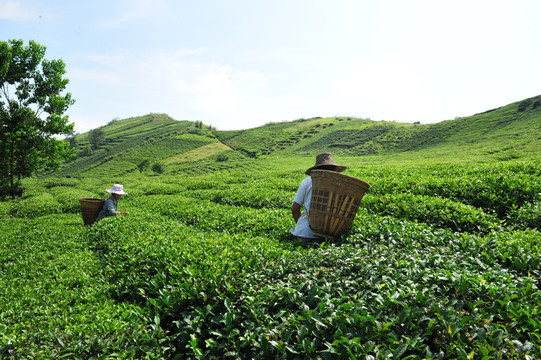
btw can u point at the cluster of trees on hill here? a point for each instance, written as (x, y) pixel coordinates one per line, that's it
(157, 167)
(32, 106)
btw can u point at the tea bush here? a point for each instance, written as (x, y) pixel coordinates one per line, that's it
(493, 188)
(254, 197)
(68, 198)
(441, 262)
(69, 182)
(436, 211)
(162, 189)
(177, 271)
(222, 293)
(206, 215)
(527, 216)
(35, 206)
(54, 298)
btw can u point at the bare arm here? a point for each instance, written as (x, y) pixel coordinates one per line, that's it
(296, 211)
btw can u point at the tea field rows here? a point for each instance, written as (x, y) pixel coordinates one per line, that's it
(443, 261)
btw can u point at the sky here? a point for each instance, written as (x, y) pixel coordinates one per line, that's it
(237, 64)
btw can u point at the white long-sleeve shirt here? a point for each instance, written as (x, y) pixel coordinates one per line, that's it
(303, 198)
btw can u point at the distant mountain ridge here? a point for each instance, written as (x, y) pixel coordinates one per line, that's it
(510, 131)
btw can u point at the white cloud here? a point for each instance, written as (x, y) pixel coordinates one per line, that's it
(421, 61)
(170, 82)
(17, 11)
(388, 89)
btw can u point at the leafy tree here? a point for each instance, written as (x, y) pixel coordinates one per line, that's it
(96, 138)
(222, 157)
(158, 168)
(32, 107)
(145, 163)
(113, 121)
(72, 139)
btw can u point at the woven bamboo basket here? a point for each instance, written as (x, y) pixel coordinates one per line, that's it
(335, 200)
(90, 208)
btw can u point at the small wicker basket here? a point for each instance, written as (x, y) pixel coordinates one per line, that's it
(90, 208)
(335, 200)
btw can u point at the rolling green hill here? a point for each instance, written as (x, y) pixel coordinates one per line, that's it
(509, 132)
(128, 142)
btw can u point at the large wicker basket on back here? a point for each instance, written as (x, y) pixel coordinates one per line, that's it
(90, 208)
(335, 200)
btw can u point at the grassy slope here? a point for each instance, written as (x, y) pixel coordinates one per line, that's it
(156, 137)
(500, 134)
(509, 132)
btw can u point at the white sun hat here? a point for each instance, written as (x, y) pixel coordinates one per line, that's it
(117, 189)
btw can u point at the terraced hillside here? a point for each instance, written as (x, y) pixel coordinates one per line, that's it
(505, 132)
(154, 137)
(509, 132)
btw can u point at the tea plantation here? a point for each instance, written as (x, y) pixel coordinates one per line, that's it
(443, 262)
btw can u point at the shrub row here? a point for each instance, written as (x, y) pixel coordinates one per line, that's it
(55, 299)
(391, 288)
(436, 211)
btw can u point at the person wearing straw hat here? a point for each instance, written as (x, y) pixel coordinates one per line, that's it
(302, 231)
(110, 205)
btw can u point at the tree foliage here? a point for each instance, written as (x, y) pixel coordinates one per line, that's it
(158, 168)
(145, 163)
(32, 107)
(96, 138)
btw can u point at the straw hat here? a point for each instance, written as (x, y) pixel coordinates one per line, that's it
(325, 160)
(117, 189)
